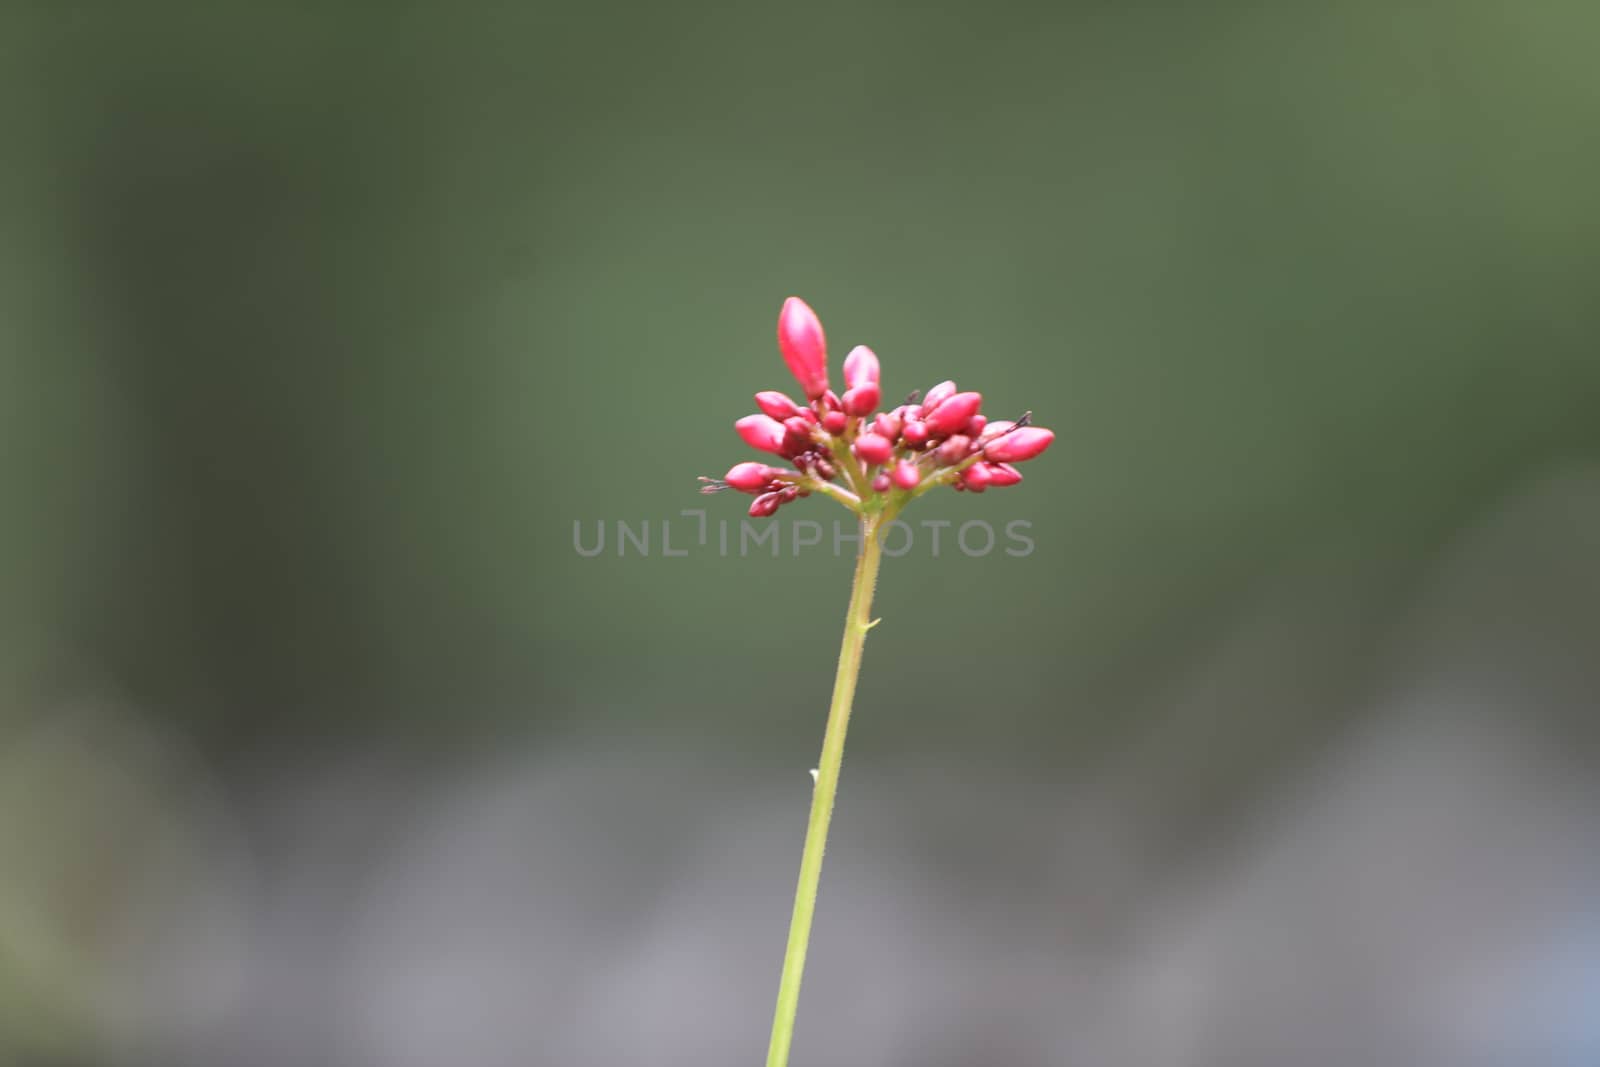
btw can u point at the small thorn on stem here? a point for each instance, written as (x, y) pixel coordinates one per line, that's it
(813, 776)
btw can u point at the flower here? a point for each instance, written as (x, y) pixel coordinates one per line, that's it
(860, 367)
(874, 451)
(1023, 442)
(778, 406)
(804, 347)
(869, 460)
(763, 432)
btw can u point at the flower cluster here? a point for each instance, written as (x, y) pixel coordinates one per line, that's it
(868, 459)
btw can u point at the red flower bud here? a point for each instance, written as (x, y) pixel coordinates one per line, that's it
(976, 477)
(906, 475)
(952, 415)
(804, 347)
(749, 477)
(995, 429)
(938, 395)
(860, 367)
(976, 424)
(835, 422)
(881, 484)
(886, 425)
(873, 450)
(778, 406)
(1001, 474)
(915, 433)
(861, 400)
(796, 436)
(765, 505)
(830, 401)
(1019, 445)
(761, 431)
(954, 450)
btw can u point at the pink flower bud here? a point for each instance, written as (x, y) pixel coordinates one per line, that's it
(873, 450)
(954, 450)
(835, 422)
(830, 401)
(804, 347)
(749, 477)
(886, 425)
(796, 436)
(915, 433)
(906, 475)
(762, 431)
(952, 415)
(861, 400)
(1019, 445)
(976, 424)
(881, 484)
(938, 395)
(860, 367)
(765, 505)
(995, 429)
(1001, 474)
(778, 406)
(976, 477)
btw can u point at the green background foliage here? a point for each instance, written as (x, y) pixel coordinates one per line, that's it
(324, 327)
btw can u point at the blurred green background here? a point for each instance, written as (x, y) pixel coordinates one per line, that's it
(320, 326)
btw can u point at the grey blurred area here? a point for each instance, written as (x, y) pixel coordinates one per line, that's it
(320, 743)
(1418, 888)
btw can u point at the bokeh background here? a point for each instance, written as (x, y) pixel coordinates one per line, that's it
(322, 325)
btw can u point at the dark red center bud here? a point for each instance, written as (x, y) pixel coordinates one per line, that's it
(954, 450)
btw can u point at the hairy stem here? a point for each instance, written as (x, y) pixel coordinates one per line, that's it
(857, 622)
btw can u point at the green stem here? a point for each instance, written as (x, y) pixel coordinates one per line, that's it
(857, 622)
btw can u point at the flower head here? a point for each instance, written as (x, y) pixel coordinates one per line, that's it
(871, 461)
